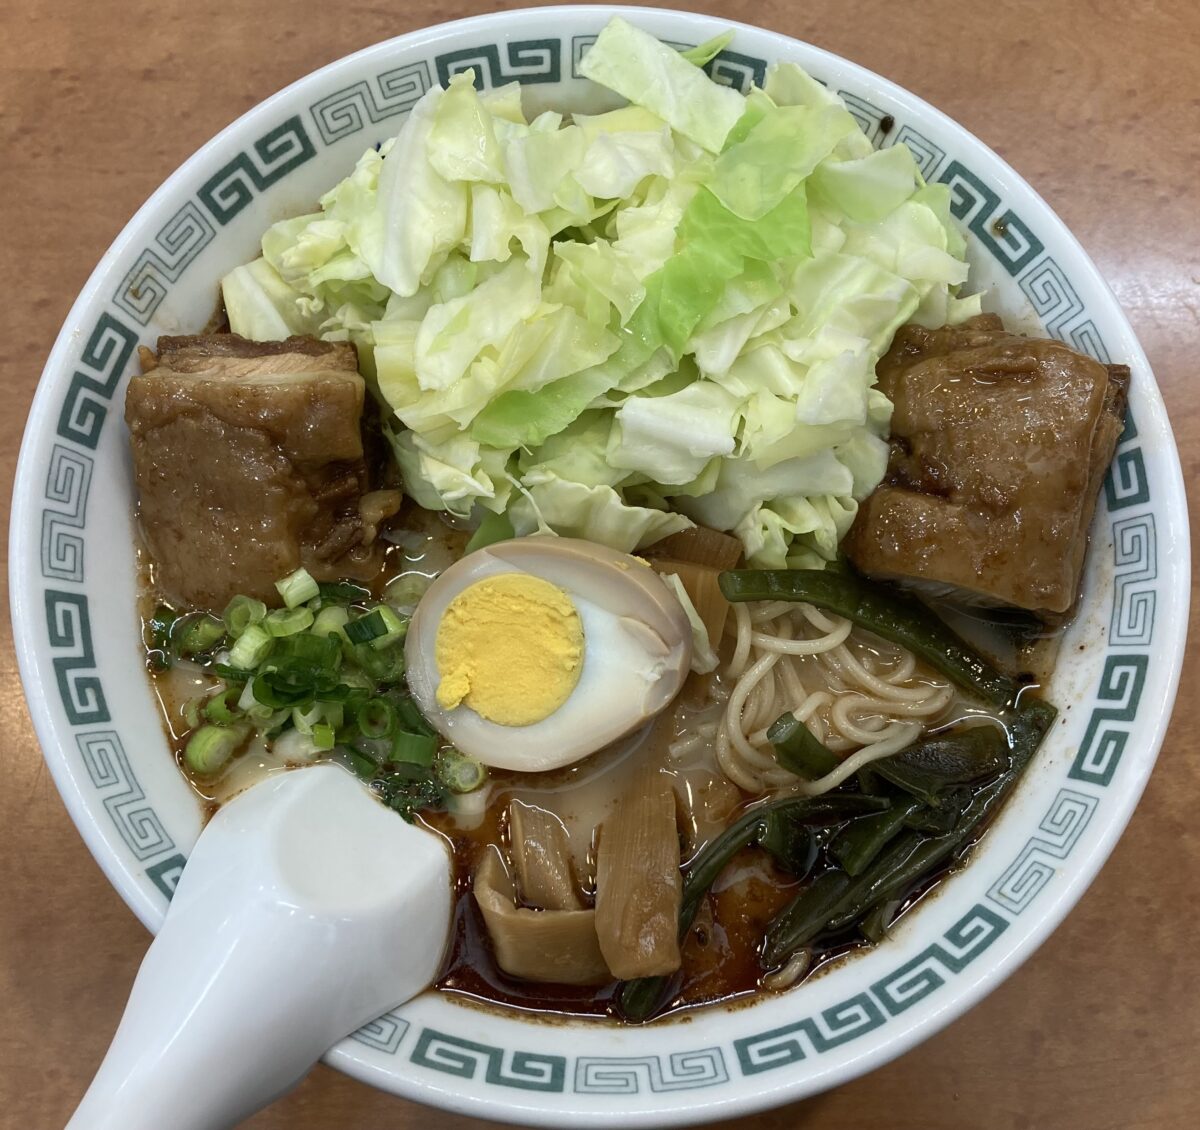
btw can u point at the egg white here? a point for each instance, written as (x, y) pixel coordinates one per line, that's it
(635, 654)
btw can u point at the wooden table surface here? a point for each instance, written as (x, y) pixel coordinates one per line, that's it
(1097, 105)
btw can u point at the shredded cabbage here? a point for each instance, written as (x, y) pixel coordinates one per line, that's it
(612, 326)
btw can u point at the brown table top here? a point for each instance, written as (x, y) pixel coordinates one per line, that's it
(1096, 105)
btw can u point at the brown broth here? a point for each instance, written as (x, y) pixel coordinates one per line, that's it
(721, 951)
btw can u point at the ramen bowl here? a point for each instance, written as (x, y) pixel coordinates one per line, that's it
(75, 578)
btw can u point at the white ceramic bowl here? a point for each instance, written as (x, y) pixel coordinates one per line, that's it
(73, 590)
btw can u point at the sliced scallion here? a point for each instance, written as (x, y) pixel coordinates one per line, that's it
(247, 699)
(328, 714)
(323, 736)
(222, 707)
(330, 620)
(413, 749)
(191, 712)
(298, 588)
(305, 648)
(230, 673)
(363, 629)
(241, 612)
(363, 765)
(458, 772)
(264, 714)
(288, 621)
(343, 592)
(397, 628)
(210, 747)
(410, 717)
(196, 633)
(251, 647)
(383, 666)
(377, 718)
(264, 717)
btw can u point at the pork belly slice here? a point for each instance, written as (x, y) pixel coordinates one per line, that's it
(999, 446)
(249, 463)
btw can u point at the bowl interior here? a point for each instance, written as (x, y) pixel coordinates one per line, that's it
(74, 587)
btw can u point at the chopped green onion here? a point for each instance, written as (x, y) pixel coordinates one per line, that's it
(376, 718)
(363, 629)
(285, 687)
(298, 588)
(271, 723)
(303, 647)
(330, 621)
(343, 592)
(320, 713)
(410, 717)
(364, 766)
(305, 718)
(230, 673)
(288, 621)
(265, 714)
(407, 589)
(382, 666)
(251, 647)
(354, 689)
(247, 700)
(323, 736)
(221, 708)
(191, 712)
(301, 677)
(160, 624)
(211, 746)
(241, 612)
(276, 723)
(196, 633)
(397, 629)
(413, 749)
(458, 772)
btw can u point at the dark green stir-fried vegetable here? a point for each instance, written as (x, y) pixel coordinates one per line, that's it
(798, 749)
(897, 618)
(764, 825)
(932, 769)
(880, 856)
(911, 856)
(860, 842)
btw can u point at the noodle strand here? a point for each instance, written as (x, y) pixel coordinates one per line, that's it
(860, 697)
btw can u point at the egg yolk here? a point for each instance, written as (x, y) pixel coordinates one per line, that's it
(511, 648)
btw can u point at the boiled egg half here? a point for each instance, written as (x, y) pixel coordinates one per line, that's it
(533, 653)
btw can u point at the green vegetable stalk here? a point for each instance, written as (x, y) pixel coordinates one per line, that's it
(897, 618)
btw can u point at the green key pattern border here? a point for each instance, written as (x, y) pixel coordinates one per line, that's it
(103, 366)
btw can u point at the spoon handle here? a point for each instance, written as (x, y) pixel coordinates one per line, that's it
(207, 1039)
(306, 910)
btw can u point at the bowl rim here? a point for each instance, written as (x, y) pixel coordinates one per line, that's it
(896, 1038)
